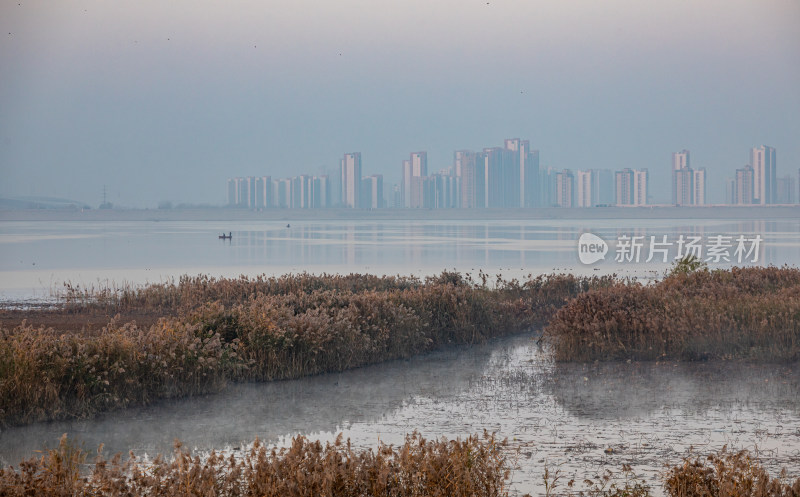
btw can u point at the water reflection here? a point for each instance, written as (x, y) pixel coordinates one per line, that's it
(622, 390)
(43, 254)
(563, 415)
(270, 411)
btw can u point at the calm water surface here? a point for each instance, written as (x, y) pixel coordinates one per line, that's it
(38, 257)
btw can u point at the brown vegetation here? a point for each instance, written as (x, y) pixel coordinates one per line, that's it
(476, 466)
(744, 313)
(203, 332)
(472, 467)
(216, 330)
(727, 474)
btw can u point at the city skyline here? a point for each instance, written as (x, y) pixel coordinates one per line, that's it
(510, 177)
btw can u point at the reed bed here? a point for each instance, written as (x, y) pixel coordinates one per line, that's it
(727, 474)
(190, 292)
(219, 330)
(475, 466)
(743, 313)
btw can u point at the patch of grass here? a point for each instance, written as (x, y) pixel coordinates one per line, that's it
(475, 466)
(742, 313)
(727, 474)
(215, 331)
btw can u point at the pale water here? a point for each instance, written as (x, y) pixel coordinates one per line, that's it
(36, 258)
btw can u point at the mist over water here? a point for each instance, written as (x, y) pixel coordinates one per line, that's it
(562, 415)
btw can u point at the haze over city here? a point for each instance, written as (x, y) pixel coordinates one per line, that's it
(166, 101)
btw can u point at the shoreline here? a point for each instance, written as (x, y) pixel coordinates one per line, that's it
(737, 213)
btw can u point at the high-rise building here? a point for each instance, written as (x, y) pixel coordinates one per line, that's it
(584, 188)
(699, 186)
(283, 193)
(522, 173)
(785, 190)
(495, 185)
(447, 191)
(372, 192)
(532, 180)
(302, 192)
(631, 186)
(763, 160)
(405, 184)
(419, 163)
(688, 185)
(464, 166)
(396, 196)
(505, 176)
(322, 192)
(473, 181)
(565, 188)
(415, 167)
(623, 182)
(250, 182)
(235, 192)
(683, 177)
(682, 187)
(681, 160)
(547, 187)
(595, 187)
(730, 191)
(263, 192)
(744, 186)
(641, 181)
(251, 192)
(351, 180)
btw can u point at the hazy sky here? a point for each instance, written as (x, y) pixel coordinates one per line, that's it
(166, 100)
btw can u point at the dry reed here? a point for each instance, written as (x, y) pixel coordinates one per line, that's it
(475, 466)
(219, 330)
(743, 313)
(727, 474)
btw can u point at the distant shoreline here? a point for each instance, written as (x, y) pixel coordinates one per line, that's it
(224, 214)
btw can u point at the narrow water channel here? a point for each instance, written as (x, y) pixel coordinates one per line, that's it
(565, 416)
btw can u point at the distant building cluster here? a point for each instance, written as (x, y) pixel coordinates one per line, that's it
(505, 177)
(263, 192)
(688, 184)
(758, 183)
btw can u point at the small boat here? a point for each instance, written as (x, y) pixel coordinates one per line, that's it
(288, 226)
(226, 237)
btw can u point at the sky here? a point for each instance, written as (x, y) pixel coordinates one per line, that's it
(157, 101)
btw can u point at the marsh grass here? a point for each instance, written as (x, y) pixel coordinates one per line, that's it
(743, 313)
(727, 474)
(475, 466)
(219, 330)
(212, 331)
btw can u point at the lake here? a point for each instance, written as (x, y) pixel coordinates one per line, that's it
(563, 416)
(37, 257)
